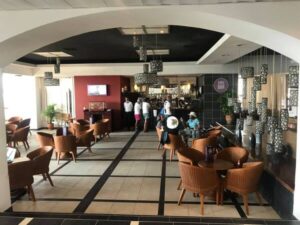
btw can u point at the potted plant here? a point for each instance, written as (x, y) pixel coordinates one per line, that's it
(226, 105)
(50, 114)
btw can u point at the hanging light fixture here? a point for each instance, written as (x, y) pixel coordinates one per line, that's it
(48, 75)
(284, 116)
(155, 64)
(145, 78)
(136, 41)
(57, 66)
(143, 53)
(247, 72)
(162, 81)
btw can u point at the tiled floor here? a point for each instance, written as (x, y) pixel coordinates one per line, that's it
(118, 180)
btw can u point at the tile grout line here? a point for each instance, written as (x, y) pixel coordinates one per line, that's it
(26, 221)
(89, 197)
(161, 206)
(238, 206)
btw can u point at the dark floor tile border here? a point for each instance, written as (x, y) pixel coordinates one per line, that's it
(161, 205)
(75, 175)
(237, 206)
(83, 205)
(130, 160)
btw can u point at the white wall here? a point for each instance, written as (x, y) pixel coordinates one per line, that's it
(4, 187)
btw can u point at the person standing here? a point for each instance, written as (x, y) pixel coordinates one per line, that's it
(137, 113)
(167, 106)
(128, 109)
(146, 113)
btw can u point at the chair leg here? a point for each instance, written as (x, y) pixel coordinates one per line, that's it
(44, 176)
(181, 196)
(73, 156)
(245, 200)
(258, 198)
(89, 149)
(179, 185)
(158, 147)
(31, 192)
(27, 144)
(201, 204)
(217, 197)
(49, 178)
(58, 157)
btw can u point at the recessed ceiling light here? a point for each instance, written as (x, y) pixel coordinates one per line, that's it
(53, 54)
(144, 30)
(156, 52)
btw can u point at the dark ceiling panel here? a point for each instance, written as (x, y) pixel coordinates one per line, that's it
(110, 46)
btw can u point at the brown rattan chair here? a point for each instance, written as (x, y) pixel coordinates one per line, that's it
(106, 125)
(11, 128)
(21, 175)
(199, 180)
(24, 123)
(15, 120)
(77, 128)
(159, 132)
(85, 139)
(44, 139)
(65, 144)
(201, 143)
(244, 180)
(20, 135)
(214, 133)
(176, 143)
(189, 156)
(99, 130)
(41, 158)
(236, 155)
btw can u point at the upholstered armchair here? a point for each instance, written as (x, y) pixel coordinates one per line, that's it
(201, 143)
(244, 181)
(85, 139)
(41, 159)
(20, 135)
(21, 175)
(236, 155)
(44, 139)
(199, 180)
(65, 144)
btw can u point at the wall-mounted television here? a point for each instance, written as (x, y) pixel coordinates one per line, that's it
(98, 89)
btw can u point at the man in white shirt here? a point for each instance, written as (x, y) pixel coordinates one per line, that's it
(137, 113)
(128, 116)
(167, 106)
(146, 113)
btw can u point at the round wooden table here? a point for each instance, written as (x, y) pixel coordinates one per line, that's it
(217, 164)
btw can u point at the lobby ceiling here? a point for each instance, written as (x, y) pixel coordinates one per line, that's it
(111, 46)
(69, 4)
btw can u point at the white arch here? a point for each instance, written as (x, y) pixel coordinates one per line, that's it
(274, 25)
(35, 29)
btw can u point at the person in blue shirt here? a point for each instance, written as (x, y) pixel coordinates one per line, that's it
(192, 126)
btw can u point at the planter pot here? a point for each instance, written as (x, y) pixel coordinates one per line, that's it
(228, 119)
(50, 126)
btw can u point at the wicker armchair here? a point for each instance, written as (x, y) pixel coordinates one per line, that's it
(189, 156)
(77, 129)
(99, 130)
(201, 143)
(44, 139)
(41, 159)
(20, 135)
(65, 144)
(198, 180)
(15, 120)
(159, 132)
(214, 133)
(21, 175)
(24, 123)
(106, 124)
(244, 181)
(85, 139)
(236, 155)
(11, 128)
(175, 144)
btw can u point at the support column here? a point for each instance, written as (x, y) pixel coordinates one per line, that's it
(4, 182)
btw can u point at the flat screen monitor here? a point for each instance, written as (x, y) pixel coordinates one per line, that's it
(99, 89)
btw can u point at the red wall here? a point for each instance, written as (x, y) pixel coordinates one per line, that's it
(113, 100)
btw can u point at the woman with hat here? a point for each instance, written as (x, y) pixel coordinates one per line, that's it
(192, 125)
